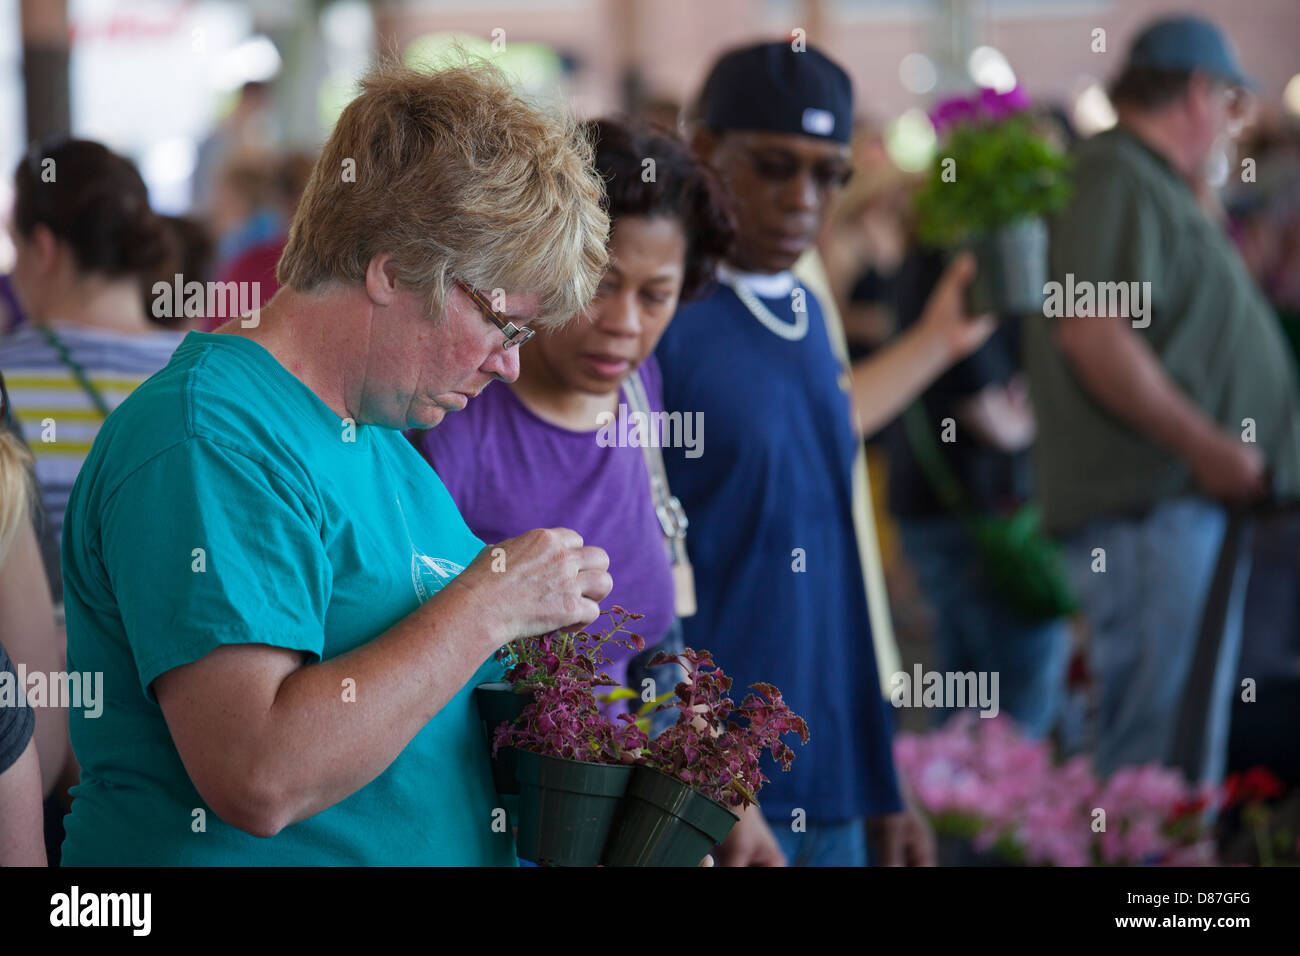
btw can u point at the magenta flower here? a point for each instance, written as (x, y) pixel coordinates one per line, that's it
(985, 106)
(953, 111)
(997, 105)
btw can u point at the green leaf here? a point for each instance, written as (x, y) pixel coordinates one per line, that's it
(621, 693)
(650, 705)
(1004, 171)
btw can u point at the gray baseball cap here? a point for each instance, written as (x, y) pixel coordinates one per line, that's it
(1188, 43)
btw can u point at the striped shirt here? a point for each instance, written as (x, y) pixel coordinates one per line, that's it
(59, 420)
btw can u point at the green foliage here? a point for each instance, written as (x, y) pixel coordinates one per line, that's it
(645, 711)
(1005, 170)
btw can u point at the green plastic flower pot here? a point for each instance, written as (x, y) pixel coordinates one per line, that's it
(498, 702)
(1012, 270)
(664, 822)
(567, 808)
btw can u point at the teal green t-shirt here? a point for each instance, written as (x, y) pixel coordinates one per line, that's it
(224, 503)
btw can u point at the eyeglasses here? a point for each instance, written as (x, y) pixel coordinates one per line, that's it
(516, 335)
(1240, 102)
(782, 167)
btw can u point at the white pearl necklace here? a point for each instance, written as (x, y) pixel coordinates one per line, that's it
(791, 333)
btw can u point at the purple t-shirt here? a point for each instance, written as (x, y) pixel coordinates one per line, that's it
(510, 471)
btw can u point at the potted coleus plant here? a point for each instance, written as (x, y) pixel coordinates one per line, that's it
(682, 796)
(501, 702)
(571, 762)
(538, 662)
(995, 178)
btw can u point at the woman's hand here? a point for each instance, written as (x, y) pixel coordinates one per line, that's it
(541, 581)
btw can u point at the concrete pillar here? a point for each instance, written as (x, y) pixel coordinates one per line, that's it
(45, 68)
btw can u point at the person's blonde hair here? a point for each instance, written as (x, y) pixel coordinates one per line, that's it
(456, 176)
(15, 489)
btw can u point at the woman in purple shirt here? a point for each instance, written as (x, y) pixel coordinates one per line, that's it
(543, 450)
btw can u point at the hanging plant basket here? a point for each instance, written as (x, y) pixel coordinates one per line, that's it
(998, 172)
(1012, 269)
(567, 808)
(498, 702)
(664, 822)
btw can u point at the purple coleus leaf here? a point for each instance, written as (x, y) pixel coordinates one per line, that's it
(722, 763)
(564, 718)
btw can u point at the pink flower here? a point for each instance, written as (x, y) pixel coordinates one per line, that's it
(1008, 785)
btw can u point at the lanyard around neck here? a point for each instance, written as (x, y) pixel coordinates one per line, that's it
(73, 366)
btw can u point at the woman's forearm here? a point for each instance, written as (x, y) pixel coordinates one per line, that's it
(269, 742)
(30, 634)
(22, 830)
(360, 710)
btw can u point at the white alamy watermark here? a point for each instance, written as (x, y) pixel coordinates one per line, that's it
(214, 300)
(82, 690)
(1084, 299)
(75, 908)
(948, 689)
(635, 429)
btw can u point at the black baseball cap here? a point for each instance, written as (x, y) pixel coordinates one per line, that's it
(775, 88)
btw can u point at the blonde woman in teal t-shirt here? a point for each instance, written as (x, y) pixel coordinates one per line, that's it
(287, 610)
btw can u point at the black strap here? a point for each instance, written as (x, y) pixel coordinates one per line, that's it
(1211, 680)
(667, 508)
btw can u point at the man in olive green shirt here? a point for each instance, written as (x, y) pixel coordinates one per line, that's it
(1163, 389)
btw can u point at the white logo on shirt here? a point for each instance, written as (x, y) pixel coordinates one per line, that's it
(430, 575)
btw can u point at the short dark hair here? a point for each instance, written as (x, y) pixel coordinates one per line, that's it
(1145, 88)
(682, 188)
(96, 202)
